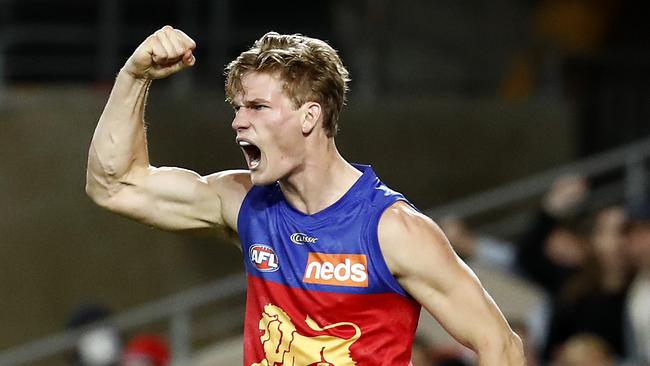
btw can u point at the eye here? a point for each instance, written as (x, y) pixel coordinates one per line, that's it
(236, 108)
(259, 107)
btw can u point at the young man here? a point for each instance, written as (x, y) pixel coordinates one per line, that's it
(638, 249)
(338, 264)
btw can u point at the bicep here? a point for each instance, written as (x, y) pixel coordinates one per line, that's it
(177, 199)
(424, 263)
(453, 295)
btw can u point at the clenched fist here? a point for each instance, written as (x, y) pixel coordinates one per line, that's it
(163, 53)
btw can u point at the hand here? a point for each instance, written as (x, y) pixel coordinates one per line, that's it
(566, 195)
(163, 53)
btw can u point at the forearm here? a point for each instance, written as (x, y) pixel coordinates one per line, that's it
(119, 142)
(471, 316)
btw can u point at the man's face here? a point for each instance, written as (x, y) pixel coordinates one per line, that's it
(639, 244)
(608, 235)
(268, 128)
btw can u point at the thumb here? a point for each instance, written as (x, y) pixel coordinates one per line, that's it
(188, 58)
(181, 65)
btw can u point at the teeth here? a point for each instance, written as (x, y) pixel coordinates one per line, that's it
(244, 143)
(255, 163)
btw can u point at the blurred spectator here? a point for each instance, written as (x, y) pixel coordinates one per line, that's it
(100, 344)
(146, 350)
(421, 354)
(638, 302)
(553, 248)
(584, 350)
(593, 300)
(476, 248)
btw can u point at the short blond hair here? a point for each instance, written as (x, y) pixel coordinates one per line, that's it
(310, 69)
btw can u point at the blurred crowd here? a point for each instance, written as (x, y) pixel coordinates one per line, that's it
(593, 265)
(101, 344)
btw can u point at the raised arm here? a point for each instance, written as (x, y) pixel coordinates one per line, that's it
(423, 262)
(119, 176)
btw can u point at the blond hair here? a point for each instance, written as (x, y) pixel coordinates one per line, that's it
(310, 69)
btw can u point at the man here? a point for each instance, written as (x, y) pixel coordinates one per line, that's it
(338, 264)
(638, 250)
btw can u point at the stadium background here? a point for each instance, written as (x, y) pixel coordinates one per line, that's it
(448, 98)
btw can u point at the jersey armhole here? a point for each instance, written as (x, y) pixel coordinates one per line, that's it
(242, 225)
(376, 253)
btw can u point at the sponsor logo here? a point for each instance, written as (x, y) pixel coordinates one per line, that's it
(264, 258)
(300, 238)
(284, 345)
(337, 269)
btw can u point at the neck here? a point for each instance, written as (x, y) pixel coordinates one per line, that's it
(321, 180)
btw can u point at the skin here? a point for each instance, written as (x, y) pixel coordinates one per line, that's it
(295, 152)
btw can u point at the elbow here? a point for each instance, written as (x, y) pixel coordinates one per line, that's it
(96, 194)
(98, 190)
(503, 349)
(108, 190)
(514, 349)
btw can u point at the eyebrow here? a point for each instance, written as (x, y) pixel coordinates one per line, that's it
(255, 101)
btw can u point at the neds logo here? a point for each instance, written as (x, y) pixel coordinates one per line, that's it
(337, 269)
(300, 238)
(264, 258)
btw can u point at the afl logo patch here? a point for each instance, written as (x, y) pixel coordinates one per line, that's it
(300, 239)
(263, 258)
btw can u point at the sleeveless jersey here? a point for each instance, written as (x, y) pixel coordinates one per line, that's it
(319, 291)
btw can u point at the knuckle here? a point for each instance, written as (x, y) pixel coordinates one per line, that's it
(161, 55)
(184, 38)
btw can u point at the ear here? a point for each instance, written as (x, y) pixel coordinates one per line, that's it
(312, 114)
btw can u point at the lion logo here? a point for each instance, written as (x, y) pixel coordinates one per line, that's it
(284, 346)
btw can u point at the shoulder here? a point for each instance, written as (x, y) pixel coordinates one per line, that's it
(230, 180)
(407, 235)
(231, 186)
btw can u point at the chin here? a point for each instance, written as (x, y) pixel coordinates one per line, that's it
(260, 179)
(265, 175)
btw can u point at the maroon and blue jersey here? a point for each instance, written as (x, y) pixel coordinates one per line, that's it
(319, 290)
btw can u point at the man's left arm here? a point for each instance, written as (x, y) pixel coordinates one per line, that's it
(420, 257)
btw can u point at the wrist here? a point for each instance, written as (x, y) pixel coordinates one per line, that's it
(128, 71)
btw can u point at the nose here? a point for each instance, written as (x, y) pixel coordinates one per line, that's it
(240, 121)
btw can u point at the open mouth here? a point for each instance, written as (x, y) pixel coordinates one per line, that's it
(252, 153)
